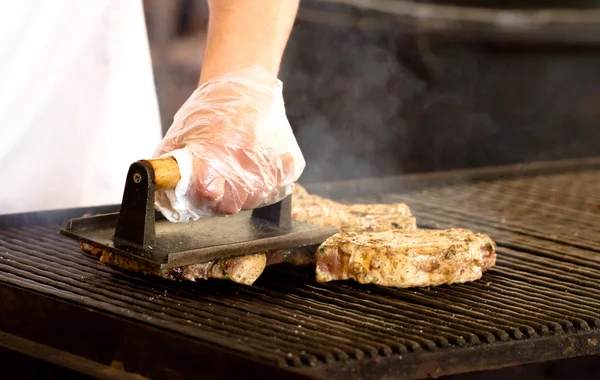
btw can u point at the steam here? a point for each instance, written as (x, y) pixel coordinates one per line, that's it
(345, 94)
(366, 103)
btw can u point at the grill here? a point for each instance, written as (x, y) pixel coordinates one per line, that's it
(540, 302)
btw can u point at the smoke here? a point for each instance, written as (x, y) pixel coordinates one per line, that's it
(345, 92)
(367, 103)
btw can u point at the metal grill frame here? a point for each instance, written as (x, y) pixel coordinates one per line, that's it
(87, 337)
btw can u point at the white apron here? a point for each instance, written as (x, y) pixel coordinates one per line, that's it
(77, 101)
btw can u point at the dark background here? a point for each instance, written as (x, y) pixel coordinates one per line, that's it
(369, 102)
(373, 98)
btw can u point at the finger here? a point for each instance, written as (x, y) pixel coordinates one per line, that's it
(235, 195)
(207, 185)
(259, 177)
(273, 189)
(288, 166)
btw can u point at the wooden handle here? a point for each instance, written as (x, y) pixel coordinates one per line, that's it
(166, 172)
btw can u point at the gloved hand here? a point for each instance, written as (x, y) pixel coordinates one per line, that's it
(234, 146)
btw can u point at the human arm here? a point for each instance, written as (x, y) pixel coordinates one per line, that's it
(244, 33)
(232, 139)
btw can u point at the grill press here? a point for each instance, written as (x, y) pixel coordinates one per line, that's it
(141, 233)
(541, 302)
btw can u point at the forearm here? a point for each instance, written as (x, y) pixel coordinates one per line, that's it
(243, 33)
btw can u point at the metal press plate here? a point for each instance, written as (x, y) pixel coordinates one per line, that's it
(207, 239)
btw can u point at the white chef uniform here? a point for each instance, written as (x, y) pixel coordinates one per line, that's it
(77, 101)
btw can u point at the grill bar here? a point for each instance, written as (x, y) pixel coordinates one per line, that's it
(541, 220)
(507, 235)
(543, 294)
(141, 300)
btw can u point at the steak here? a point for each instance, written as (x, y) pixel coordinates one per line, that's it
(324, 212)
(243, 270)
(406, 258)
(307, 208)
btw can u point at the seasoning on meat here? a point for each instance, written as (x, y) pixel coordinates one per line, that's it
(406, 258)
(243, 270)
(324, 212)
(307, 208)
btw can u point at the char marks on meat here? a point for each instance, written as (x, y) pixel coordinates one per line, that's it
(406, 258)
(324, 212)
(243, 270)
(377, 243)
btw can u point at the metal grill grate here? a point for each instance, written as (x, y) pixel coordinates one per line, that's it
(545, 288)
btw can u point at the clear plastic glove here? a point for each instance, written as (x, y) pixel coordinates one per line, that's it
(234, 146)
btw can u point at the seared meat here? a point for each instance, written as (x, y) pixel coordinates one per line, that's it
(243, 270)
(323, 212)
(406, 258)
(299, 256)
(378, 243)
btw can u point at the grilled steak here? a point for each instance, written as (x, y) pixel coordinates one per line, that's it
(306, 208)
(324, 212)
(243, 270)
(406, 258)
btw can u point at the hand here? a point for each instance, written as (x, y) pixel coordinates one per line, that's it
(234, 146)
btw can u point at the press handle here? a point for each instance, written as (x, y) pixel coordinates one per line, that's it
(136, 222)
(166, 176)
(166, 172)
